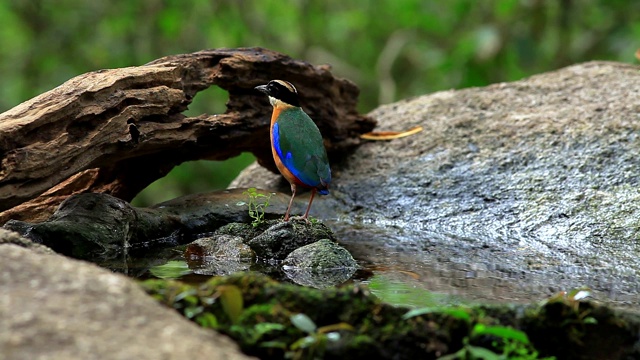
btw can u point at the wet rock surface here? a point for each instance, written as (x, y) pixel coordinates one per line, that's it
(321, 264)
(54, 307)
(116, 235)
(513, 191)
(272, 240)
(307, 253)
(281, 238)
(100, 227)
(224, 247)
(322, 254)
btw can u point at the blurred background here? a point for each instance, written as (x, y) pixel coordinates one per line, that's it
(392, 49)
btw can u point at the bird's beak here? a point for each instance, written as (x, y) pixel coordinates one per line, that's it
(262, 88)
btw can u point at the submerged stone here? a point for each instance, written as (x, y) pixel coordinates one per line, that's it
(320, 265)
(219, 255)
(222, 247)
(313, 259)
(280, 239)
(322, 254)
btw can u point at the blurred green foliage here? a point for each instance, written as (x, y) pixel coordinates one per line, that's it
(392, 49)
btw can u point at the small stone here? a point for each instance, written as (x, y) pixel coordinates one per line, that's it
(225, 247)
(284, 237)
(321, 255)
(320, 265)
(219, 255)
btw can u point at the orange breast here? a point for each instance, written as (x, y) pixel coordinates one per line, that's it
(292, 179)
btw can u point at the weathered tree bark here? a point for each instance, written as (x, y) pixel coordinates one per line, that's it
(116, 131)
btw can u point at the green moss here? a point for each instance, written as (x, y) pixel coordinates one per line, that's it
(562, 326)
(244, 230)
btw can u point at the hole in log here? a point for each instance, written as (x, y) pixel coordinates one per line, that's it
(210, 101)
(135, 133)
(193, 177)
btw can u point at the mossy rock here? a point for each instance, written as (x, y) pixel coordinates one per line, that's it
(320, 265)
(275, 239)
(262, 326)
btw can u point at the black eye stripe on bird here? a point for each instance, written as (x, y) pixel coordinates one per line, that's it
(296, 143)
(287, 85)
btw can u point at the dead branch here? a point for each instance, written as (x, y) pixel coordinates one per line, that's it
(116, 131)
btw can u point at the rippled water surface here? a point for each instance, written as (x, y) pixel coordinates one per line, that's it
(410, 264)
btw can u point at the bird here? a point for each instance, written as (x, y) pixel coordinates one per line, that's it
(296, 143)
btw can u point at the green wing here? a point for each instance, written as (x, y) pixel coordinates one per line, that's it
(298, 142)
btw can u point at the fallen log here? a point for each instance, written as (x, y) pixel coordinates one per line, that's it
(116, 131)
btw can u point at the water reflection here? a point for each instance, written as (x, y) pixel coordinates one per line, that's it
(415, 267)
(464, 269)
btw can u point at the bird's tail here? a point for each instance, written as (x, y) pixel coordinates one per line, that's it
(323, 189)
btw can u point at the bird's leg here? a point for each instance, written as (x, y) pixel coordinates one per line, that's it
(306, 214)
(293, 191)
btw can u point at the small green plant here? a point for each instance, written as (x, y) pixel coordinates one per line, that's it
(314, 344)
(576, 318)
(512, 343)
(256, 208)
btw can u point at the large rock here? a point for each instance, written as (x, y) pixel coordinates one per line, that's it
(512, 191)
(53, 307)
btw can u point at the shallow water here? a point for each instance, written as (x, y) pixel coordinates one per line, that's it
(406, 264)
(470, 269)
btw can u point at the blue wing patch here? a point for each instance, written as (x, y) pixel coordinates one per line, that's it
(276, 140)
(287, 160)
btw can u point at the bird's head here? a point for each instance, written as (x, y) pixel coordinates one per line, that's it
(280, 91)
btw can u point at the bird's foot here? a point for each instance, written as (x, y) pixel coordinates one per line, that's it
(301, 218)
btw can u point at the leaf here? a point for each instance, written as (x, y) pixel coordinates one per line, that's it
(404, 293)
(579, 293)
(390, 135)
(191, 311)
(231, 300)
(335, 327)
(458, 313)
(171, 269)
(207, 320)
(303, 343)
(274, 344)
(460, 354)
(333, 336)
(418, 312)
(560, 296)
(482, 353)
(186, 294)
(266, 327)
(504, 332)
(304, 323)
